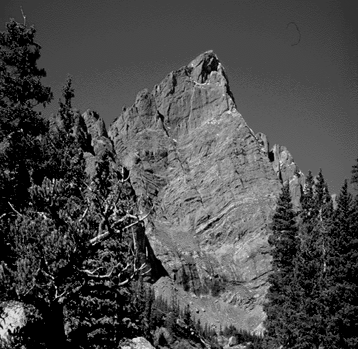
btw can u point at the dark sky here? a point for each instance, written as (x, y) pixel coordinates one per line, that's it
(295, 82)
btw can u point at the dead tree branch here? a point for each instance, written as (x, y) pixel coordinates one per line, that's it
(103, 236)
(23, 15)
(13, 208)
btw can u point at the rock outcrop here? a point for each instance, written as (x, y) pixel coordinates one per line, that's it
(287, 171)
(12, 317)
(138, 343)
(285, 168)
(208, 182)
(101, 146)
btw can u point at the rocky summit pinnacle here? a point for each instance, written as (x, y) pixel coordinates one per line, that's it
(209, 185)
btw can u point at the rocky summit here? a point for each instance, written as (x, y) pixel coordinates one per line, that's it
(208, 186)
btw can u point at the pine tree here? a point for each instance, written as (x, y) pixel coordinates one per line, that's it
(281, 308)
(103, 313)
(307, 199)
(21, 91)
(311, 262)
(61, 148)
(20, 81)
(70, 257)
(342, 274)
(68, 93)
(354, 178)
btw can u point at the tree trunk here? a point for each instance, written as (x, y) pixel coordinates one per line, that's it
(54, 329)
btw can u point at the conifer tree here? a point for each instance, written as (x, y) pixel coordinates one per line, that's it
(307, 200)
(104, 312)
(21, 91)
(70, 259)
(68, 93)
(311, 262)
(354, 178)
(280, 307)
(342, 274)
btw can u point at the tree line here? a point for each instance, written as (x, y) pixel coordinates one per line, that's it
(313, 294)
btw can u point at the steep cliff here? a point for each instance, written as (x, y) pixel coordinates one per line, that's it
(208, 182)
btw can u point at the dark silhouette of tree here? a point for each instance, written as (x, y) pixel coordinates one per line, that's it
(21, 91)
(281, 297)
(311, 262)
(354, 178)
(342, 274)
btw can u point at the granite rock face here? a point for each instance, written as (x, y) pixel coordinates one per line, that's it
(287, 171)
(207, 181)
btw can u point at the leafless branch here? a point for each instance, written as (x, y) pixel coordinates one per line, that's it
(13, 208)
(58, 296)
(69, 290)
(23, 15)
(84, 215)
(93, 275)
(136, 271)
(103, 236)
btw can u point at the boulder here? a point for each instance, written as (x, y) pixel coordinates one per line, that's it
(12, 317)
(232, 341)
(138, 343)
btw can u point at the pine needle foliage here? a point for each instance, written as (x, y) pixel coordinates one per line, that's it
(342, 274)
(280, 307)
(21, 90)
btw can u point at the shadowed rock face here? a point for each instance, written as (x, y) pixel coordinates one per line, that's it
(207, 180)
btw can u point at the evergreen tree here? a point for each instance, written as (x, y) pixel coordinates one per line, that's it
(103, 313)
(21, 91)
(354, 178)
(62, 147)
(311, 262)
(342, 274)
(20, 81)
(307, 199)
(68, 93)
(281, 305)
(70, 259)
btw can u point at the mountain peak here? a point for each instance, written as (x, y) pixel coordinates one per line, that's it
(209, 185)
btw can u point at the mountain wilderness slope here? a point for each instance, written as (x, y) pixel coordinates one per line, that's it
(209, 184)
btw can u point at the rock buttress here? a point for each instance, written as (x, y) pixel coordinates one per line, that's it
(207, 181)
